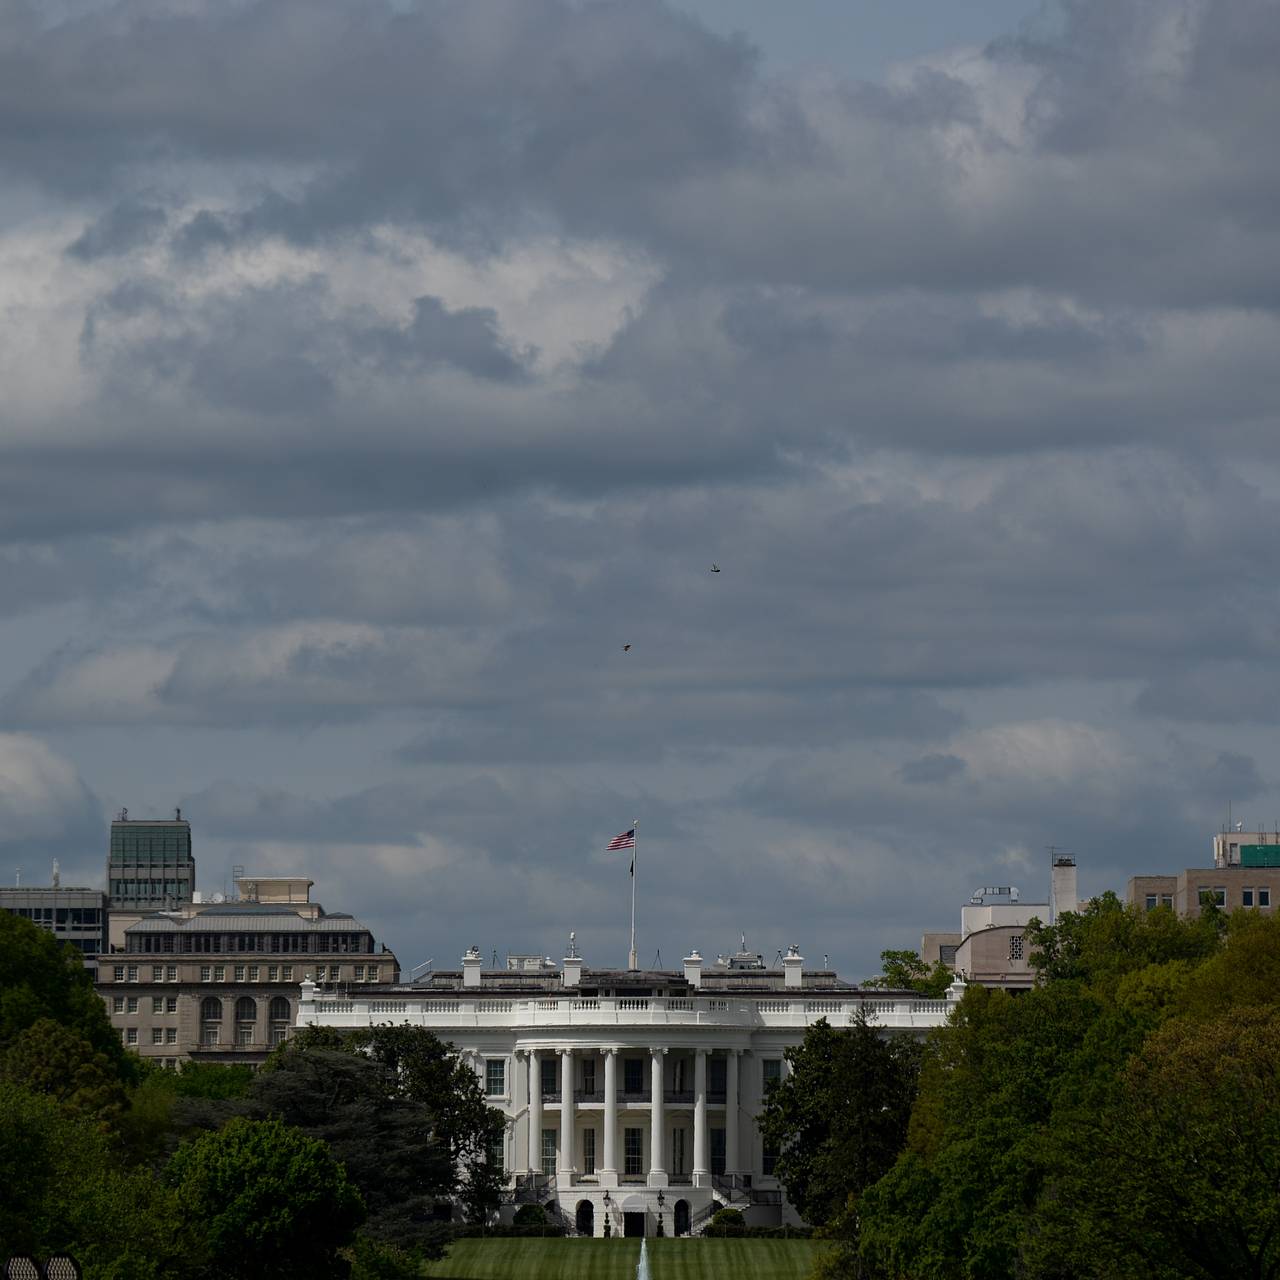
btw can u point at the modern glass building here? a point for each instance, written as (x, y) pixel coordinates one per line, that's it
(77, 916)
(149, 864)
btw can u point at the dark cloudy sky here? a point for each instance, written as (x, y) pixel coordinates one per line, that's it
(373, 370)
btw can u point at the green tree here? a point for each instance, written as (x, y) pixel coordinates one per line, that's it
(905, 971)
(49, 1058)
(271, 1201)
(839, 1118)
(41, 977)
(63, 1188)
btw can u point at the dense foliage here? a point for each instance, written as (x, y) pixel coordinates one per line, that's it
(217, 1170)
(1119, 1120)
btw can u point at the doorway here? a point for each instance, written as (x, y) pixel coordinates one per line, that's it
(584, 1220)
(633, 1224)
(682, 1218)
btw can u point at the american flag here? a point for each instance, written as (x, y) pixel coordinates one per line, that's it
(627, 840)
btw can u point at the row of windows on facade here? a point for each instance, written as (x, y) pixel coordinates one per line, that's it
(68, 917)
(148, 890)
(247, 973)
(634, 1071)
(633, 1148)
(1250, 896)
(220, 943)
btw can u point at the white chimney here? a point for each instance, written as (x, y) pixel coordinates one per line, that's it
(1062, 887)
(793, 968)
(471, 967)
(693, 968)
(571, 975)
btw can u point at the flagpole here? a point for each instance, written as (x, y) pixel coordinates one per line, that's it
(635, 844)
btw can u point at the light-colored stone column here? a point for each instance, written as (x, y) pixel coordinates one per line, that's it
(657, 1166)
(566, 1113)
(535, 1112)
(609, 1170)
(701, 1171)
(731, 1114)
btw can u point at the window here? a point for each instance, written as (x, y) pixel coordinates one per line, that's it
(1264, 896)
(633, 1148)
(1166, 900)
(278, 1017)
(206, 973)
(772, 1073)
(131, 1036)
(273, 973)
(287, 973)
(1152, 901)
(157, 973)
(118, 973)
(375, 974)
(1015, 946)
(171, 973)
(677, 1152)
(171, 1004)
(548, 1152)
(495, 1077)
(157, 1004)
(1216, 896)
(589, 1075)
(133, 973)
(1246, 897)
(246, 1018)
(117, 1004)
(132, 1006)
(171, 1035)
(588, 1151)
(239, 972)
(717, 1151)
(359, 976)
(219, 973)
(498, 1153)
(547, 1068)
(157, 1035)
(632, 1075)
(769, 1159)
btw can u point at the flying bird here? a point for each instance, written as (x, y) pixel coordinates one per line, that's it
(626, 648)
(715, 568)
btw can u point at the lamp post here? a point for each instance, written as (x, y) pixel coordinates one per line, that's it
(662, 1199)
(608, 1225)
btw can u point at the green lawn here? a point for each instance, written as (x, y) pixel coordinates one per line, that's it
(532, 1259)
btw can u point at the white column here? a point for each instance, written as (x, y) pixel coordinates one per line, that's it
(566, 1112)
(609, 1170)
(731, 1115)
(657, 1171)
(535, 1112)
(700, 1167)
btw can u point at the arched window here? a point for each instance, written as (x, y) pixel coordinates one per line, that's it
(246, 1018)
(210, 1020)
(280, 1016)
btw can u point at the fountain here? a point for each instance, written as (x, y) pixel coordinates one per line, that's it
(642, 1267)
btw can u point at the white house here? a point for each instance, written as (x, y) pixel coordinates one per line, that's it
(630, 1095)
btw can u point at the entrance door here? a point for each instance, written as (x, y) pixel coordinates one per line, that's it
(584, 1221)
(633, 1224)
(682, 1217)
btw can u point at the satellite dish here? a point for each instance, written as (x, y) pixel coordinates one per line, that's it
(217, 897)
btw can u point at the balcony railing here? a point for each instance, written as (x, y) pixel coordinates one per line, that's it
(588, 1095)
(679, 1097)
(634, 1095)
(564, 1012)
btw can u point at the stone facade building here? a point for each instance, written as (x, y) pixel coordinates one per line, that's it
(220, 981)
(631, 1095)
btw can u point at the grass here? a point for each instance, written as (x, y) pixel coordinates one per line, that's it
(533, 1259)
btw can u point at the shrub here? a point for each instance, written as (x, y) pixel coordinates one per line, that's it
(727, 1218)
(530, 1215)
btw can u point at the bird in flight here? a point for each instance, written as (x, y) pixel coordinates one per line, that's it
(715, 568)
(626, 648)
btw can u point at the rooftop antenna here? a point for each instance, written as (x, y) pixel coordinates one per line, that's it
(657, 958)
(494, 962)
(778, 957)
(177, 814)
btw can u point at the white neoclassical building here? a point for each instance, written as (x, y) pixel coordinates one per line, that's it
(630, 1095)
